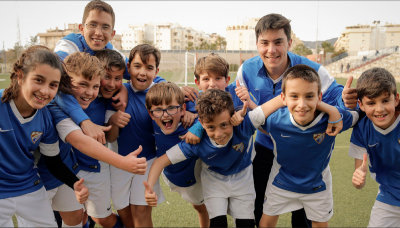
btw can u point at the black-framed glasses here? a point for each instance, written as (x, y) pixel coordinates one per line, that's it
(157, 113)
(106, 29)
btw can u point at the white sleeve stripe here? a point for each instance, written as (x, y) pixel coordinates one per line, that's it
(326, 79)
(356, 151)
(239, 76)
(66, 46)
(50, 150)
(109, 113)
(257, 117)
(65, 127)
(355, 117)
(175, 154)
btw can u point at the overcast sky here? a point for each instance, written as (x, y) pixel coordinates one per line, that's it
(208, 16)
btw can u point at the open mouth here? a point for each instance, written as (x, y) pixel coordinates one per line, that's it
(272, 57)
(40, 98)
(85, 99)
(97, 40)
(301, 113)
(220, 139)
(109, 90)
(141, 80)
(380, 116)
(167, 123)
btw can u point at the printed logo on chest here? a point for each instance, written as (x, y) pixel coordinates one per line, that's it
(35, 136)
(239, 147)
(319, 137)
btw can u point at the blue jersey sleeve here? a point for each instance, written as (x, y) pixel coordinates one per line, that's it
(357, 137)
(191, 106)
(70, 105)
(197, 129)
(50, 136)
(57, 113)
(187, 149)
(349, 118)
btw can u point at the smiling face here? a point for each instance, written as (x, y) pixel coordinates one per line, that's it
(381, 110)
(209, 80)
(219, 129)
(301, 98)
(37, 89)
(168, 123)
(272, 46)
(142, 75)
(97, 39)
(85, 90)
(112, 82)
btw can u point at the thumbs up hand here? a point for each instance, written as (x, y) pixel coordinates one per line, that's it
(349, 95)
(133, 164)
(120, 118)
(238, 117)
(81, 191)
(242, 92)
(149, 195)
(360, 173)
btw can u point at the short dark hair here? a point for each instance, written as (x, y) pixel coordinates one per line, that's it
(144, 51)
(214, 102)
(304, 72)
(85, 65)
(374, 81)
(111, 58)
(164, 92)
(99, 6)
(211, 63)
(273, 21)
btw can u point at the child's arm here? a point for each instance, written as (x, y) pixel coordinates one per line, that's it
(335, 123)
(155, 171)
(130, 163)
(194, 134)
(190, 92)
(188, 119)
(243, 95)
(118, 120)
(360, 172)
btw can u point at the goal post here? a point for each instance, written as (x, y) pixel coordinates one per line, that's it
(189, 64)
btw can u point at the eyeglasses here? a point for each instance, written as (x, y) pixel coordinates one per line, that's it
(106, 29)
(157, 113)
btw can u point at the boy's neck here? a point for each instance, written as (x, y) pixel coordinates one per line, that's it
(316, 113)
(136, 90)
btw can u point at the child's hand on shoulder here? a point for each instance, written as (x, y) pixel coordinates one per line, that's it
(190, 93)
(238, 117)
(149, 195)
(120, 118)
(191, 138)
(188, 119)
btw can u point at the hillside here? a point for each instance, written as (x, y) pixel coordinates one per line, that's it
(311, 44)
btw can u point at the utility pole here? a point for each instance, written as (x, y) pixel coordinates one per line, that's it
(5, 63)
(316, 41)
(377, 33)
(18, 37)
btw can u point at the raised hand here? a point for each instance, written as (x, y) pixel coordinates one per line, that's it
(242, 92)
(120, 118)
(133, 164)
(81, 191)
(149, 195)
(349, 95)
(191, 138)
(238, 117)
(94, 131)
(360, 173)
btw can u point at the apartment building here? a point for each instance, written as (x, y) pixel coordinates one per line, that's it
(243, 37)
(368, 37)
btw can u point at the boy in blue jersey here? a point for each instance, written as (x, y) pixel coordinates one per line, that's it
(300, 177)
(375, 144)
(165, 104)
(127, 188)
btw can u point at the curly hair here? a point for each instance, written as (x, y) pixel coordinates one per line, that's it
(81, 63)
(214, 102)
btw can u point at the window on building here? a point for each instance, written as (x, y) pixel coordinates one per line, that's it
(392, 41)
(392, 34)
(363, 34)
(363, 41)
(362, 49)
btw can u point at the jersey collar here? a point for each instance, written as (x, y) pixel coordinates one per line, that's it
(312, 124)
(389, 129)
(136, 90)
(220, 146)
(21, 119)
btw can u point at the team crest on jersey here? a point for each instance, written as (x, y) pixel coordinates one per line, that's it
(35, 136)
(239, 147)
(319, 137)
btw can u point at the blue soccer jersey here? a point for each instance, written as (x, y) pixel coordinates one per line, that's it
(139, 130)
(64, 126)
(19, 138)
(227, 159)
(182, 173)
(302, 153)
(383, 148)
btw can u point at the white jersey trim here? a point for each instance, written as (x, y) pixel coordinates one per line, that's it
(175, 154)
(356, 116)
(356, 151)
(21, 119)
(50, 150)
(326, 79)
(389, 129)
(239, 76)
(257, 117)
(109, 113)
(66, 46)
(136, 90)
(313, 123)
(66, 126)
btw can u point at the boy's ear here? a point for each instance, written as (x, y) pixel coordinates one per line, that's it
(283, 98)
(197, 83)
(320, 97)
(158, 69)
(81, 29)
(396, 99)
(361, 105)
(290, 44)
(152, 117)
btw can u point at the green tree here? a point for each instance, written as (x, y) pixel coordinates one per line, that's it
(190, 46)
(220, 42)
(17, 50)
(327, 47)
(301, 50)
(149, 42)
(336, 53)
(32, 41)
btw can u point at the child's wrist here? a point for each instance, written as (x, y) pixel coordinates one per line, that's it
(336, 121)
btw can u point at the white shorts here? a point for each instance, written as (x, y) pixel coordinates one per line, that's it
(318, 206)
(192, 194)
(98, 205)
(384, 215)
(33, 207)
(63, 198)
(232, 194)
(127, 188)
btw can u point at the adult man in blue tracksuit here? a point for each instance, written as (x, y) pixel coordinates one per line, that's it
(262, 76)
